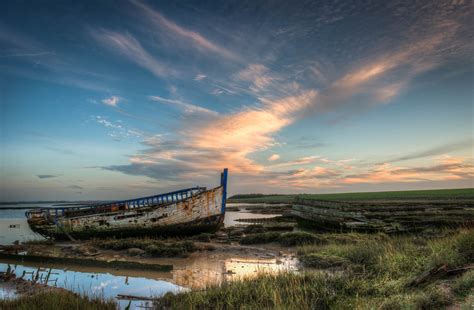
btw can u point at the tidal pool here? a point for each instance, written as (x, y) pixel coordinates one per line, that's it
(101, 284)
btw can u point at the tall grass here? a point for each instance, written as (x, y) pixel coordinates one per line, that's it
(57, 300)
(371, 272)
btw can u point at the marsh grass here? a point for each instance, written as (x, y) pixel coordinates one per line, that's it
(57, 300)
(465, 284)
(462, 193)
(367, 272)
(267, 291)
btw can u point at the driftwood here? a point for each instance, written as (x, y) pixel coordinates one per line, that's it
(461, 270)
(438, 272)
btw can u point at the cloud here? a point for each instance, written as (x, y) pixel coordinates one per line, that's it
(204, 147)
(47, 176)
(195, 38)
(445, 168)
(117, 130)
(187, 107)
(338, 175)
(129, 47)
(199, 77)
(112, 101)
(258, 75)
(297, 162)
(279, 101)
(273, 157)
(438, 150)
(74, 187)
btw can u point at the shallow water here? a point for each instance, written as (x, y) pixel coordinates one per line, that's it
(232, 217)
(191, 273)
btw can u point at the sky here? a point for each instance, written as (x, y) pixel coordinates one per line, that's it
(118, 99)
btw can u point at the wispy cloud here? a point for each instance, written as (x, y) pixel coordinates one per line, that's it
(47, 176)
(44, 64)
(195, 38)
(128, 46)
(258, 75)
(117, 130)
(199, 77)
(273, 157)
(186, 107)
(438, 150)
(111, 101)
(74, 187)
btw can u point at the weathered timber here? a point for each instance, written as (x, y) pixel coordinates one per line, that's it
(395, 216)
(438, 272)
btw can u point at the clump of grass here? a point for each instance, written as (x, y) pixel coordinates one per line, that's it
(266, 237)
(300, 238)
(365, 254)
(396, 302)
(152, 247)
(464, 285)
(56, 300)
(315, 260)
(204, 237)
(433, 298)
(160, 249)
(254, 229)
(465, 246)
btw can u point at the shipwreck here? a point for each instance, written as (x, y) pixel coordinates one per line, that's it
(186, 211)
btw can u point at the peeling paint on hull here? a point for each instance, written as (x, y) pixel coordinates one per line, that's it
(198, 213)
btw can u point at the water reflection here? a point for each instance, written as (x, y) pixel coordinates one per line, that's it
(103, 284)
(205, 271)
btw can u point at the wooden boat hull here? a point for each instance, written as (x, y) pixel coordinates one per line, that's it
(184, 212)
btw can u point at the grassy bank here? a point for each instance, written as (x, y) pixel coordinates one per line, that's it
(353, 271)
(57, 300)
(449, 194)
(148, 246)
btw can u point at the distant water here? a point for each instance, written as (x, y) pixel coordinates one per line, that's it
(13, 211)
(13, 224)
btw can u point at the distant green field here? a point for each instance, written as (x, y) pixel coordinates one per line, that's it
(462, 193)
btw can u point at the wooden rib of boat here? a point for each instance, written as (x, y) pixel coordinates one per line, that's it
(186, 211)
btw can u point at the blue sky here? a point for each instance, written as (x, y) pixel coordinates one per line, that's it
(116, 99)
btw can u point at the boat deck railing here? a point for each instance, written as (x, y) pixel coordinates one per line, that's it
(165, 198)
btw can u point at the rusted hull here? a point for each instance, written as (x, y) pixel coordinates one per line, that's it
(200, 213)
